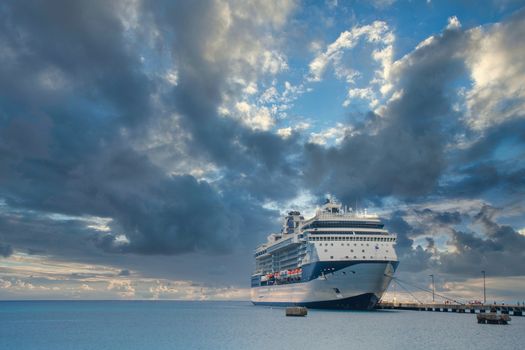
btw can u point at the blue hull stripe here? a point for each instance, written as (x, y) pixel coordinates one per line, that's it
(365, 301)
(314, 270)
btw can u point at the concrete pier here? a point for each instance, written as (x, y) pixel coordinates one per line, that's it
(512, 310)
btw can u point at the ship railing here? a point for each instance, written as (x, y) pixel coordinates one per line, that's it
(349, 215)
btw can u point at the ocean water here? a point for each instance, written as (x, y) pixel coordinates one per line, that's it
(239, 325)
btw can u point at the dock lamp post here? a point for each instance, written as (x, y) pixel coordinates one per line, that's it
(484, 290)
(433, 289)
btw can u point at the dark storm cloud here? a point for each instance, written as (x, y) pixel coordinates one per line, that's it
(45, 236)
(5, 250)
(480, 169)
(398, 225)
(175, 215)
(69, 46)
(510, 133)
(485, 176)
(491, 246)
(74, 97)
(403, 153)
(444, 217)
(501, 253)
(414, 259)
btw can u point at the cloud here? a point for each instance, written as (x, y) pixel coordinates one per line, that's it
(421, 142)
(486, 165)
(90, 144)
(377, 32)
(124, 288)
(256, 118)
(5, 250)
(146, 135)
(381, 4)
(334, 135)
(457, 244)
(453, 23)
(401, 153)
(500, 252)
(497, 72)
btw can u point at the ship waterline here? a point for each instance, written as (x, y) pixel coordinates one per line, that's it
(337, 259)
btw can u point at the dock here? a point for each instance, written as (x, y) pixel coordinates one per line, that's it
(493, 318)
(512, 310)
(297, 311)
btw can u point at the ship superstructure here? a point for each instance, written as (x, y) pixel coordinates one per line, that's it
(337, 259)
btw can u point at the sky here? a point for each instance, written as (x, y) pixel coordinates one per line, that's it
(148, 147)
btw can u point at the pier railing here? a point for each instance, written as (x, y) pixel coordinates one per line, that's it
(513, 310)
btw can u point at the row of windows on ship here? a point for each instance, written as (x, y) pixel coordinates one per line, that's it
(343, 224)
(352, 238)
(325, 232)
(355, 257)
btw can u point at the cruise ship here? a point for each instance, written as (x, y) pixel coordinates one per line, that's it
(338, 259)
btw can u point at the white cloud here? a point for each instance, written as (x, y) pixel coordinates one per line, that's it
(186, 290)
(253, 116)
(381, 4)
(364, 94)
(241, 42)
(315, 46)
(287, 132)
(37, 277)
(331, 3)
(86, 287)
(263, 12)
(331, 135)
(425, 42)
(124, 288)
(172, 77)
(5, 284)
(381, 38)
(251, 88)
(453, 23)
(497, 69)
(284, 132)
(273, 62)
(270, 95)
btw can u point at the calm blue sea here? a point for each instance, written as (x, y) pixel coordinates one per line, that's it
(238, 325)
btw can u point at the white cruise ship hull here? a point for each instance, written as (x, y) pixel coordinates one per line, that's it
(337, 285)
